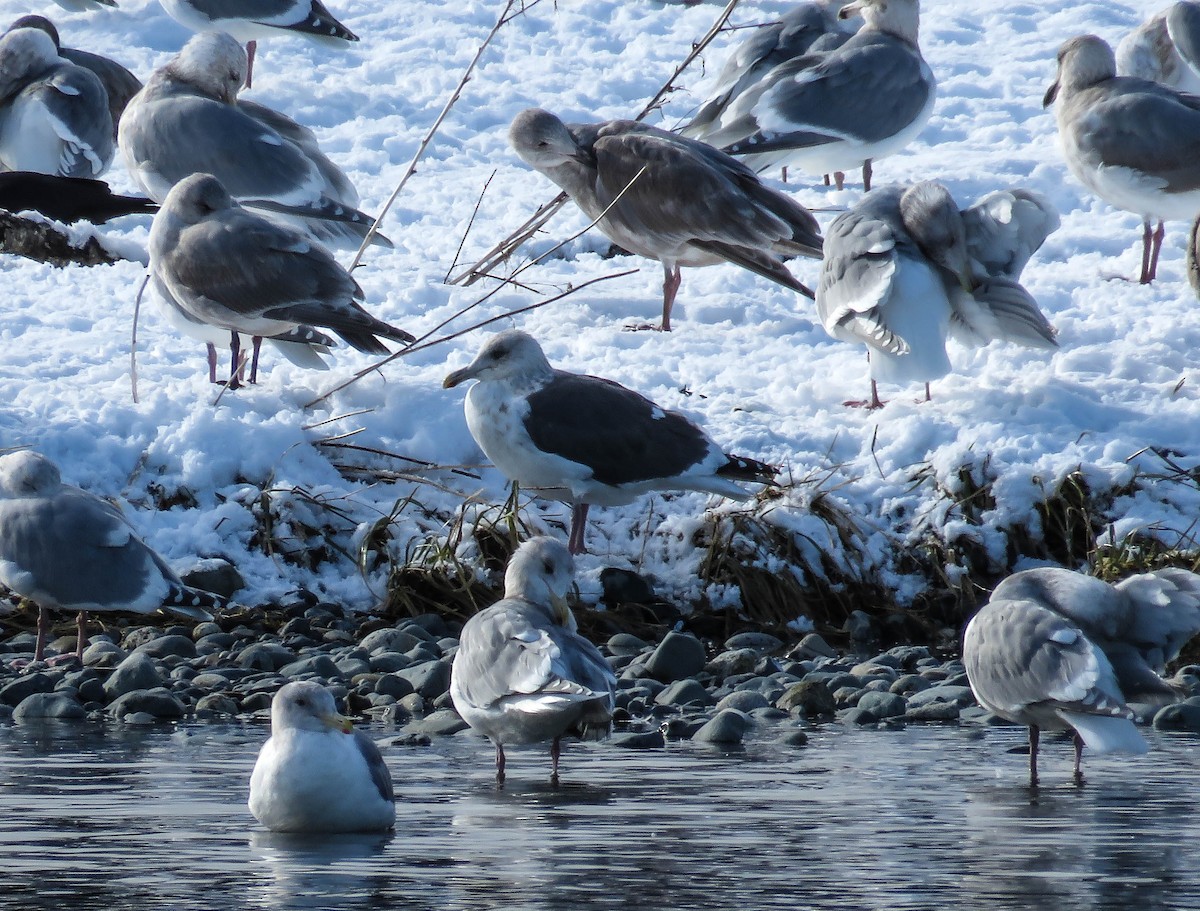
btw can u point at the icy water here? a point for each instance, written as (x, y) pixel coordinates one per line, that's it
(920, 818)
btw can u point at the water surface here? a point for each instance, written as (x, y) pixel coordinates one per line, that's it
(922, 818)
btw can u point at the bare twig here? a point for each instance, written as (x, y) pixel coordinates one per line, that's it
(510, 244)
(506, 15)
(137, 308)
(421, 346)
(470, 224)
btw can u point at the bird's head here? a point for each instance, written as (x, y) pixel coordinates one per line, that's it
(506, 355)
(1083, 61)
(543, 141)
(306, 706)
(214, 63)
(541, 571)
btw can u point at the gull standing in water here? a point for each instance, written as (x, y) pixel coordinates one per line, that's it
(901, 274)
(1165, 48)
(1058, 650)
(831, 112)
(54, 116)
(669, 198)
(249, 20)
(1134, 143)
(227, 267)
(316, 773)
(584, 439)
(522, 672)
(188, 120)
(66, 549)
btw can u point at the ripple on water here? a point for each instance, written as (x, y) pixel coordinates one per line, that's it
(918, 818)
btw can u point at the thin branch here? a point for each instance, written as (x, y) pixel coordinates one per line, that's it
(510, 244)
(137, 308)
(470, 224)
(404, 352)
(505, 17)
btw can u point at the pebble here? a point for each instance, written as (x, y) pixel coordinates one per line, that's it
(678, 656)
(727, 727)
(1182, 716)
(37, 706)
(136, 672)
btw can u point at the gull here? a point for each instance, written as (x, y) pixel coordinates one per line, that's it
(845, 108)
(249, 20)
(1134, 143)
(188, 120)
(1056, 650)
(808, 28)
(669, 198)
(584, 439)
(901, 274)
(81, 6)
(1165, 48)
(522, 672)
(227, 267)
(54, 115)
(68, 199)
(120, 85)
(316, 773)
(303, 345)
(68, 550)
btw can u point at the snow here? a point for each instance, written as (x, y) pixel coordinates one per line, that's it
(747, 358)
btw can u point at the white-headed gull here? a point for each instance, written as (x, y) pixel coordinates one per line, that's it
(584, 439)
(317, 774)
(1165, 48)
(522, 673)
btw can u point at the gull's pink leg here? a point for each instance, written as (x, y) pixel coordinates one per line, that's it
(254, 360)
(1033, 748)
(211, 352)
(867, 172)
(555, 752)
(672, 277)
(575, 543)
(251, 47)
(499, 764)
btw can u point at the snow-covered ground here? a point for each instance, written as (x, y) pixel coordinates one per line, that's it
(747, 358)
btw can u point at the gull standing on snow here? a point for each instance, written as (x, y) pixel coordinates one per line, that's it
(316, 773)
(249, 20)
(68, 550)
(587, 440)
(54, 115)
(1165, 48)
(227, 267)
(120, 85)
(904, 269)
(668, 198)
(855, 104)
(188, 120)
(1056, 650)
(522, 673)
(808, 28)
(1134, 143)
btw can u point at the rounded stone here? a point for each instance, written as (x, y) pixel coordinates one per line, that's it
(626, 644)
(317, 665)
(684, 692)
(759, 642)
(727, 727)
(794, 737)
(137, 672)
(430, 679)
(743, 701)
(389, 640)
(156, 701)
(678, 656)
(809, 697)
(19, 690)
(638, 740)
(883, 705)
(163, 646)
(60, 706)
(1181, 716)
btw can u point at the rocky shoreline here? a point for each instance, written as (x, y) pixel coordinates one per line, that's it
(679, 687)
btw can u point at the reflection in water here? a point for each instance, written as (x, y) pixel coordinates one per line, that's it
(920, 818)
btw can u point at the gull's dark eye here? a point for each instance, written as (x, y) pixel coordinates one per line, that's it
(548, 565)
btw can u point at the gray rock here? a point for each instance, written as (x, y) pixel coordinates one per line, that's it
(215, 575)
(38, 706)
(393, 685)
(389, 662)
(389, 640)
(257, 702)
(858, 716)
(441, 723)
(22, 688)
(678, 656)
(909, 655)
(727, 727)
(684, 692)
(638, 740)
(1182, 716)
(809, 697)
(869, 669)
(861, 627)
(793, 737)
(163, 646)
(760, 642)
(217, 704)
(883, 705)
(139, 635)
(813, 646)
(265, 656)
(681, 728)
(352, 667)
(430, 679)
(626, 644)
(961, 696)
(909, 684)
(769, 714)
(157, 702)
(102, 653)
(934, 711)
(137, 672)
(733, 662)
(743, 701)
(317, 665)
